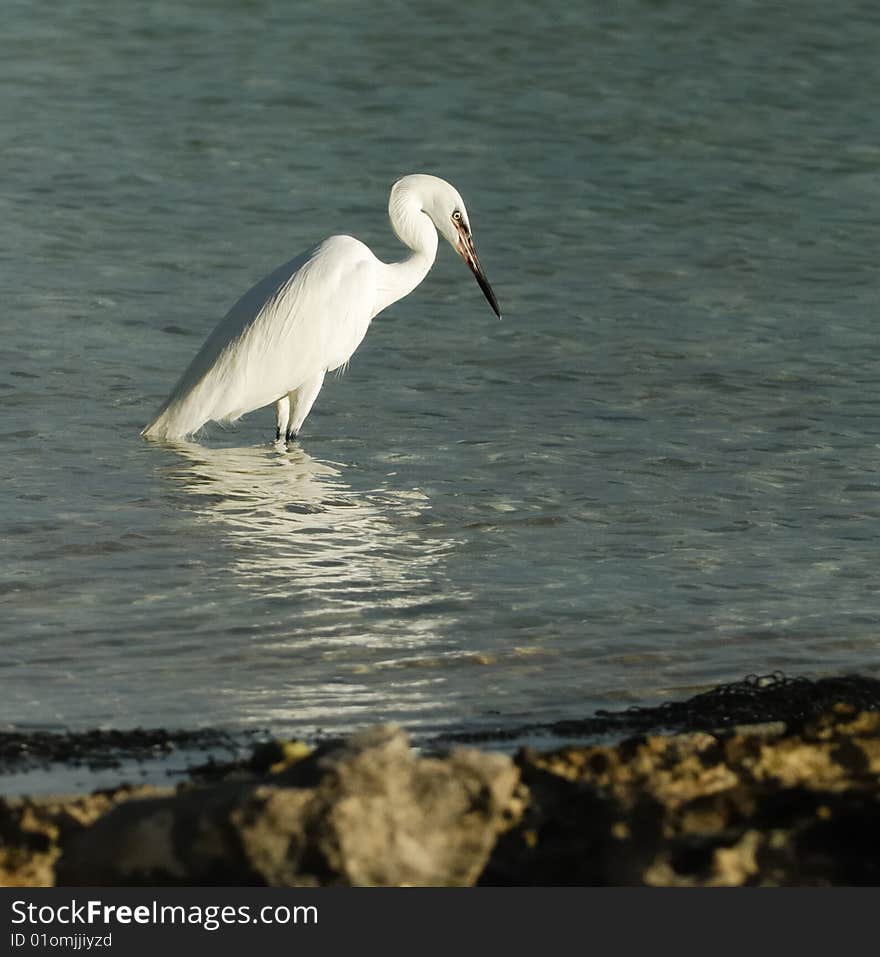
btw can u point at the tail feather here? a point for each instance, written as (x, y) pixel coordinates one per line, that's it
(220, 395)
(188, 408)
(169, 426)
(175, 420)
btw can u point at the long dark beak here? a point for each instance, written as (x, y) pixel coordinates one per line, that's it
(466, 249)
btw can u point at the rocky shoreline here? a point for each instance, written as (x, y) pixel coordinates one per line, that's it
(791, 800)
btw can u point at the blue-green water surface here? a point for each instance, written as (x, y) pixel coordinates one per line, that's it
(659, 472)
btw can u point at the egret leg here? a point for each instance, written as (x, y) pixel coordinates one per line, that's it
(303, 400)
(282, 416)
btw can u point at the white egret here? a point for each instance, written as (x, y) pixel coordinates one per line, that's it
(307, 318)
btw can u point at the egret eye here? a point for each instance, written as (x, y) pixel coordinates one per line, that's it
(457, 216)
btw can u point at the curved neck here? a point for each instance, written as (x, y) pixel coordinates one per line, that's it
(415, 230)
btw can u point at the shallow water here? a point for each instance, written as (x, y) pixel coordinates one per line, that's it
(659, 472)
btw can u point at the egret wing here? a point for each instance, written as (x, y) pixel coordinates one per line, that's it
(307, 316)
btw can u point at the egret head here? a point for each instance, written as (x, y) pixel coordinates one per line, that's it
(441, 202)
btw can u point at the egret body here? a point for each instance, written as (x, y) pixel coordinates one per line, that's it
(308, 317)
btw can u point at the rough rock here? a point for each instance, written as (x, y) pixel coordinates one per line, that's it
(778, 803)
(757, 806)
(33, 831)
(368, 812)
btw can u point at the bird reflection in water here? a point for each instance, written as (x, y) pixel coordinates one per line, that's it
(346, 565)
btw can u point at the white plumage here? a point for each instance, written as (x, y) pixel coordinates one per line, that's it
(309, 316)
